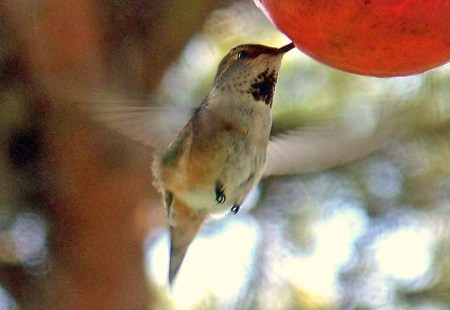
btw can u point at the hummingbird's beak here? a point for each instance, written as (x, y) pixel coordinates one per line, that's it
(285, 48)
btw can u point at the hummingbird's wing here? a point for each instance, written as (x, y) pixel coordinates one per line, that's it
(336, 142)
(152, 126)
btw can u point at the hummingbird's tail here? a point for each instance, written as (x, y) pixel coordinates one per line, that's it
(184, 225)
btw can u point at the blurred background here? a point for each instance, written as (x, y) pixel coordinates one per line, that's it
(365, 227)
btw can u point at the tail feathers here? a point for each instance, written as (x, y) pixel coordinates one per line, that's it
(184, 226)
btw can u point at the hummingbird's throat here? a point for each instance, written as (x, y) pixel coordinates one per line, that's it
(263, 86)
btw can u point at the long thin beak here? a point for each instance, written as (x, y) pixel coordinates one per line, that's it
(286, 48)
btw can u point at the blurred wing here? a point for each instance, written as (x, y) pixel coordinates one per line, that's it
(152, 126)
(351, 137)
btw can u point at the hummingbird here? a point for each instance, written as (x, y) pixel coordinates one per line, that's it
(226, 146)
(219, 155)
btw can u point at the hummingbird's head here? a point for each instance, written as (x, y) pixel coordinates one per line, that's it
(251, 69)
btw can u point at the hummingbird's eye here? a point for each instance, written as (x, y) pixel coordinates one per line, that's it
(241, 54)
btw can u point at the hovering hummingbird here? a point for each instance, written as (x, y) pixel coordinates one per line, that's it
(224, 149)
(219, 155)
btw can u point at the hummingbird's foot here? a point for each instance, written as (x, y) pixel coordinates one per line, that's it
(220, 194)
(235, 209)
